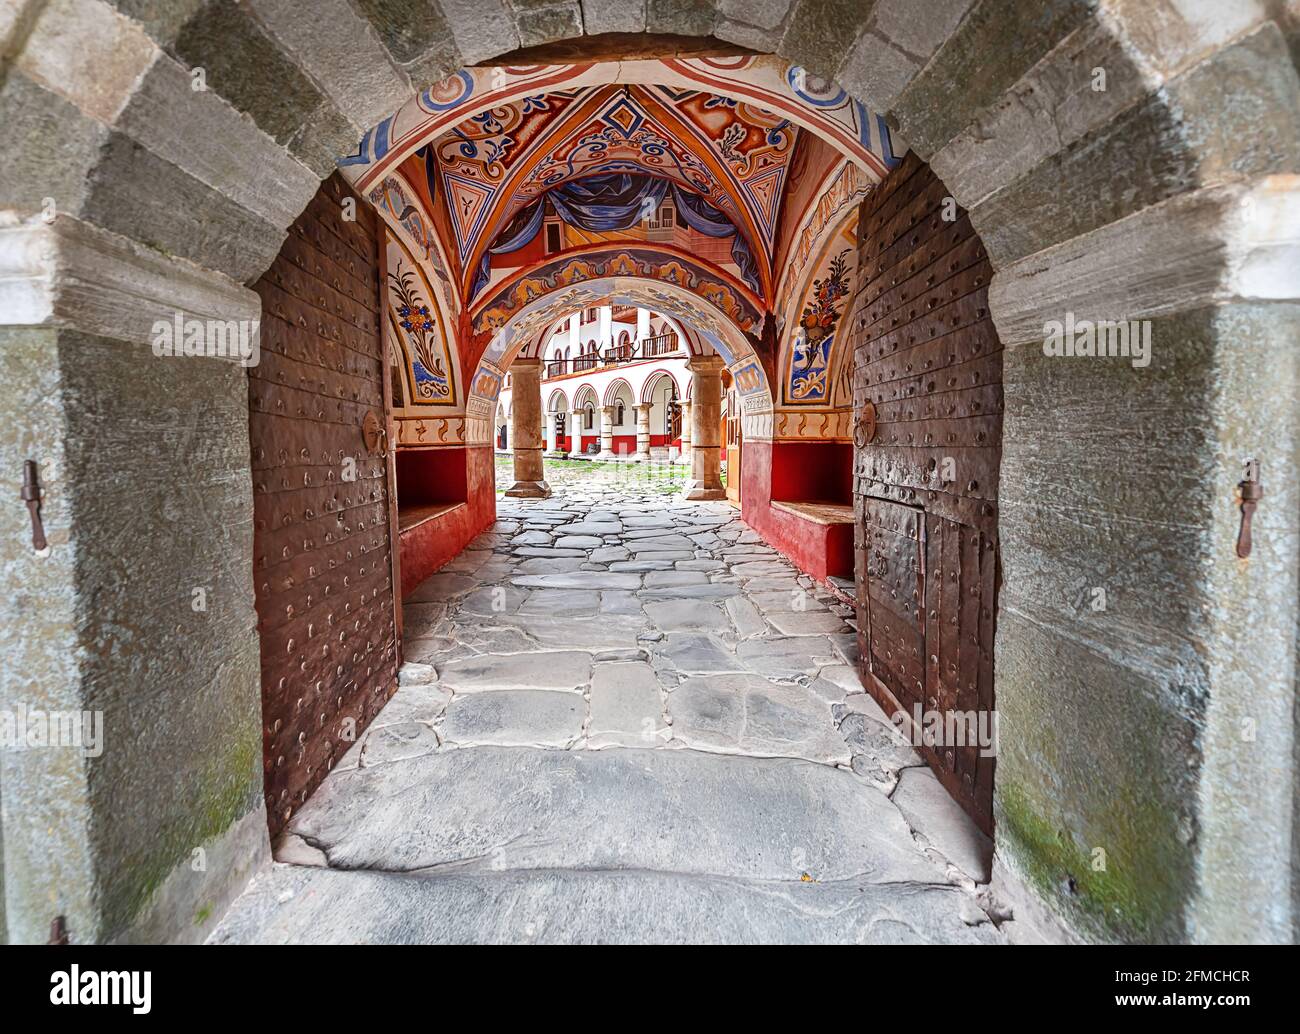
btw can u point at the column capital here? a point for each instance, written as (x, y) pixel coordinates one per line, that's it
(705, 364)
(523, 363)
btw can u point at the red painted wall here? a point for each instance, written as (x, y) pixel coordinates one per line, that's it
(800, 472)
(444, 475)
(624, 443)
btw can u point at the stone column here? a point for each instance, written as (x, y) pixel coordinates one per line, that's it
(642, 432)
(526, 418)
(706, 415)
(577, 425)
(606, 433)
(685, 455)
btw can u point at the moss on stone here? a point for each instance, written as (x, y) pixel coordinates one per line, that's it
(227, 791)
(1137, 897)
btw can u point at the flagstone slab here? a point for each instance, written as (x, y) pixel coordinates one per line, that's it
(397, 742)
(442, 586)
(579, 541)
(532, 552)
(679, 615)
(760, 568)
(494, 637)
(515, 718)
(422, 619)
(553, 669)
(493, 599)
(640, 523)
(674, 579)
(562, 602)
(563, 632)
(933, 813)
(772, 583)
(579, 580)
(787, 656)
(626, 706)
(468, 561)
(428, 650)
(806, 622)
(745, 617)
(620, 601)
(642, 566)
(700, 564)
(422, 703)
(295, 904)
(590, 528)
(711, 591)
(747, 714)
(663, 544)
(629, 808)
(692, 652)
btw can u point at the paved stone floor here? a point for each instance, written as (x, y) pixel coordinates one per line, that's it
(625, 718)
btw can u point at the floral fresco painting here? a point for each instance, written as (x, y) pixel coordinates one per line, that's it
(814, 337)
(417, 325)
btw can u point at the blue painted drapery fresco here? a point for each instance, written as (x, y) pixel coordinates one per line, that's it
(617, 201)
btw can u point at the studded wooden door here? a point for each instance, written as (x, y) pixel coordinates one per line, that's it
(322, 541)
(927, 392)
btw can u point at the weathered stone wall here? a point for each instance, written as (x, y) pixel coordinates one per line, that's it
(144, 464)
(1169, 195)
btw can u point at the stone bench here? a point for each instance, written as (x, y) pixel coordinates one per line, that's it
(818, 535)
(410, 517)
(818, 512)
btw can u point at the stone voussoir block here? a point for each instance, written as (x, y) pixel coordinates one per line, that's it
(482, 29)
(1209, 245)
(960, 81)
(72, 273)
(342, 53)
(601, 16)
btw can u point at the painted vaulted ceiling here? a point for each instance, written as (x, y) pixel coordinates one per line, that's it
(513, 194)
(486, 169)
(482, 147)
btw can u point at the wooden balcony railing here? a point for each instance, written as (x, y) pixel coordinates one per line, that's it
(616, 355)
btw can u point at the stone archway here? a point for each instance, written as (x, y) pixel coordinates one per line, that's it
(1138, 201)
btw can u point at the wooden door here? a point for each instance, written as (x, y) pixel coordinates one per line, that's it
(322, 499)
(927, 396)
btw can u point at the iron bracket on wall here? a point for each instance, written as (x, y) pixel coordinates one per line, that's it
(1249, 493)
(31, 495)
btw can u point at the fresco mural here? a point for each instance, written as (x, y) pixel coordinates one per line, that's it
(417, 332)
(485, 144)
(516, 190)
(822, 189)
(650, 264)
(767, 81)
(810, 352)
(807, 329)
